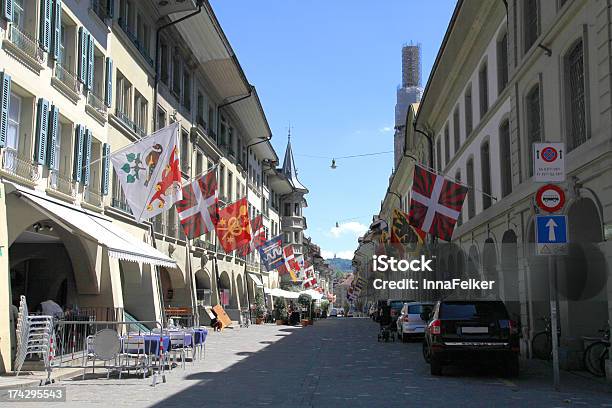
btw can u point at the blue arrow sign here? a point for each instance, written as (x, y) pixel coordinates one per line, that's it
(551, 229)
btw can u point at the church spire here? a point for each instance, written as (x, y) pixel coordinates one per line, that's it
(288, 168)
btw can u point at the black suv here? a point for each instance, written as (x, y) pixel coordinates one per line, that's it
(471, 331)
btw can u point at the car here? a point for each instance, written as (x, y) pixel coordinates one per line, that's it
(410, 323)
(471, 331)
(396, 307)
(350, 313)
(333, 312)
(340, 312)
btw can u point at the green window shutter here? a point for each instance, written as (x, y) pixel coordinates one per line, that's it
(42, 131)
(56, 29)
(52, 159)
(45, 24)
(7, 10)
(108, 95)
(90, 61)
(83, 55)
(87, 140)
(105, 168)
(110, 8)
(79, 136)
(5, 100)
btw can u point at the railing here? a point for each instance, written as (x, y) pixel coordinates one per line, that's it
(121, 205)
(61, 183)
(67, 77)
(100, 8)
(97, 104)
(19, 166)
(140, 131)
(93, 196)
(130, 123)
(132, 36)
(26, 42)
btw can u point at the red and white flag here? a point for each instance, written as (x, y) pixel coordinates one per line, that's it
(435, 203)
(309, 282)
(290, 265)
(258, 236)
(198, 211)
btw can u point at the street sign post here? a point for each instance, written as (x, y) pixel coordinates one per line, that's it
(550, 198)
(551, 234)
(548, 162)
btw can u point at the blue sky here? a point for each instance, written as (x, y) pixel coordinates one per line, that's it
(331, 68)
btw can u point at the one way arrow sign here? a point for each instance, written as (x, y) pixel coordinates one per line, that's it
(551, 234)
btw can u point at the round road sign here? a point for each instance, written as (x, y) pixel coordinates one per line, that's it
(549, 154)
(550, 198)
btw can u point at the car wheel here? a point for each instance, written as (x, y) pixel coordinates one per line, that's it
(512, 367)
(426, 354)
(435, 366)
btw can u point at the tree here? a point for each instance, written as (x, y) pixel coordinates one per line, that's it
(280, 309)
(260, 306)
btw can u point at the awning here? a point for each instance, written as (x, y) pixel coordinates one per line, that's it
(255, 279)
(276, 292)
(313, 294)
(120, 243)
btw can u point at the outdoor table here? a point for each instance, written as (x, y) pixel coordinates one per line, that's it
(199, 335)
(188, 338)
(151, 343)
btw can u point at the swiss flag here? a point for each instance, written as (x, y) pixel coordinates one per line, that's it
(290, 265)
(435, 203)
(198, 211)
(234, 228)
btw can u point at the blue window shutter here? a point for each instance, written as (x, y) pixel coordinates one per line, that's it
(83, 55)
(52, 159)
(45, 24)
(86, 156)
(5, 100)
(56, 30)
(105, 168)
(108, 95)
(7, 10)
(79, 135)
(90, 61)
(110, 8)
(42, 131)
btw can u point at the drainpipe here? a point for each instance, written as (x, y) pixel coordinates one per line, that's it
(157, 56)
(223, 105)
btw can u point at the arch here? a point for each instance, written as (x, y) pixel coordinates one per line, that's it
(240, 294)
(489, 263)
(509, 272)
(225, 284)
(203, 286)
(473, 267)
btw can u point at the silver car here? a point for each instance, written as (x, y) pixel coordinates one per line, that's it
(410, 324)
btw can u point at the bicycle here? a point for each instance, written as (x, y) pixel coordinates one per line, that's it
(541, 343)
(597, 353)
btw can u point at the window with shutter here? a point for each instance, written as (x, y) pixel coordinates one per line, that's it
(105, 168)
(108, 95)
(42, 131)
(83, 42)
(45, 24)
(5, 100)
(56, 42)
(53, 135)
(90, 61)
(78, 152)
(7, 10)
(87, 141)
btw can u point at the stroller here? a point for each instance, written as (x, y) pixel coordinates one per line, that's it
(386, 332)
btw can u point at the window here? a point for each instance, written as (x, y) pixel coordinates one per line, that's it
(163, 63)
(199, 163)
(468, 111)
(222, 182)
(187, 90)
(456, 130)
(14, 120)
(447, 145)
(18, 14)
(439, 155)
(211, 118)
(485, 171)
(176, 73)
(140, 114)
(123, 96)
(458, 179)
(483, 87)
(534, 124)
(531, 23)
(161, 118)
(502, 63)
(200, 116)
(184, 152)
(287, 210)
(575, 100)
(505, 162)
(470, 182)
(230, 186)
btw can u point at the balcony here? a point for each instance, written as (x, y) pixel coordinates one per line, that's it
(296, 222)
(129, 123)
(100, 8)
(137, 43)
(96, 107)
(93, 196)
(62, 184)
(19, 167)
(121, 205)
(25, 48)
(66, 81)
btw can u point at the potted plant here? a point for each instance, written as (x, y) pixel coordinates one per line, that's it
(304, 301)
(280, 311)
(324, 307)
(260, 308)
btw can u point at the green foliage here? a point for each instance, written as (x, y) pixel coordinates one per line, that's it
(304, 300)
(280, 309)
(260, 305)
(324, 305)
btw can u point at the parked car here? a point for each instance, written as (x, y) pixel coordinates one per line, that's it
(340, 312)
(396, 308)
(350, 313)
(410, 322)
(470, 332)
(333, 312)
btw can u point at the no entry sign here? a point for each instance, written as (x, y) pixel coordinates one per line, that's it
(550, 198)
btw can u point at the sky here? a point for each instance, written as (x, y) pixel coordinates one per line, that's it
(330, 69)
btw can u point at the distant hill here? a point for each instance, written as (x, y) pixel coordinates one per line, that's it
(340, 264)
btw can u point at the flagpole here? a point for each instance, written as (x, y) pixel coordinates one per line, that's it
(215, 264)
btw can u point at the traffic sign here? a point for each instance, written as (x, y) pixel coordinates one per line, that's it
(550, 198)
(551, 234)
(548, 162)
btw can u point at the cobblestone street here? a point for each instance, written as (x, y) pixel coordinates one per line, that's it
(337, 362)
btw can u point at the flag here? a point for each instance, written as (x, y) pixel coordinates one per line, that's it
(406, 237)
(309, 282)
(271, 253)
(198, 210)
(435, 203)
(305, 273)
(234, 228)
(289, 265)
(149, 173)
(258, 236)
